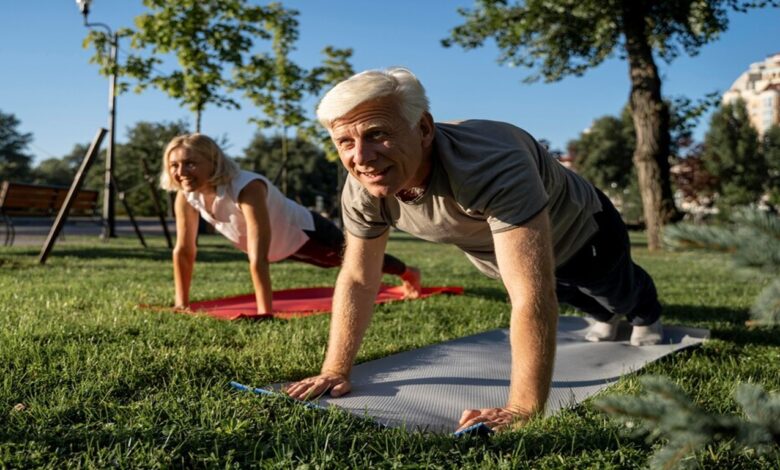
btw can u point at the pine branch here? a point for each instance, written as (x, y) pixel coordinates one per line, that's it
(706, 237)
(664, 411)
(753, 236)
(766, 308)
(753, 239)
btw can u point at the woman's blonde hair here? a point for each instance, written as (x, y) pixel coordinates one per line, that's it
(225, 169)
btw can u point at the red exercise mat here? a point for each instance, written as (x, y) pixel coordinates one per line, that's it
(292, 303)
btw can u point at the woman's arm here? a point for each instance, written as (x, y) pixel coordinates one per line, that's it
(252, 201)
(184, 252)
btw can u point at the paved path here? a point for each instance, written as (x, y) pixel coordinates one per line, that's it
(33, 231)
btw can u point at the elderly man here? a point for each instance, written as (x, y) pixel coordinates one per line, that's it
(493, 191)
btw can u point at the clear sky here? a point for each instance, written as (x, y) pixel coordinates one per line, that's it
(47, 82)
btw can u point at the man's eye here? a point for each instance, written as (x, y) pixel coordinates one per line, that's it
(345, 144)
(378, 135)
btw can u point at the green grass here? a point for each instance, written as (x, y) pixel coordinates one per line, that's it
(106, 384)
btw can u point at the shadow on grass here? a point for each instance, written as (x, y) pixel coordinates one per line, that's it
(205, 254)
(686, 314)
(487, 293)
(724, 323)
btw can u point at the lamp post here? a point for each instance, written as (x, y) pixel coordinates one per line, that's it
(109, 192)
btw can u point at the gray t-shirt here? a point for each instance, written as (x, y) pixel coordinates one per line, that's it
(486, 177)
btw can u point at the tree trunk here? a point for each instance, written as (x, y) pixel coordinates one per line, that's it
(651, 121)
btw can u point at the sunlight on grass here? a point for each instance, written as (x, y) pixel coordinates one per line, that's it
(89, 379)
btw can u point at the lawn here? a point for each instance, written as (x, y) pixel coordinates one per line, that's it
(87, 379)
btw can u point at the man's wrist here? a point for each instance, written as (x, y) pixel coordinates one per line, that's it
(522, 410)
(335, 371)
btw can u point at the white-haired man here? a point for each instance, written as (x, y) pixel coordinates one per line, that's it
(489, 188)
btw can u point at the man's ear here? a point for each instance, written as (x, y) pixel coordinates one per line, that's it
(427, 130)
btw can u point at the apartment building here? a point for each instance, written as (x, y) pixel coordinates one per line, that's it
(759, 87)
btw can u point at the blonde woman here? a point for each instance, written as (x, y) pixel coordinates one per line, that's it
(252, 213)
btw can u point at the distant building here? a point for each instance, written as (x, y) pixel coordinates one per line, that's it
(759, 87)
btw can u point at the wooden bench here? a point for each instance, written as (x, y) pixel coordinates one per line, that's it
(34, 200)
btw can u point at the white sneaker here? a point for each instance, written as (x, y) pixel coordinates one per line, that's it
(603, 330)
(647, 335)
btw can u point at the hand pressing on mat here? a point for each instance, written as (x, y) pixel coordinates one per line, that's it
(497, 419)
(313, 387)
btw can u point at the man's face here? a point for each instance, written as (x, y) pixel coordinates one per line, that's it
(190, 170)
(379, 149)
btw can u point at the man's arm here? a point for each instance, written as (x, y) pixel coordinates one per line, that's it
(525, 260)
(252, 201)
(353, 305)
(185, 250)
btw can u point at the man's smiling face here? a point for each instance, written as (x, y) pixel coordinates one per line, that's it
(380, 149)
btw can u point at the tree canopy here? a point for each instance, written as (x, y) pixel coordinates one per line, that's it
(732, 154)
(602, 154)
(207, 39)
(14, 159)
(568, 37)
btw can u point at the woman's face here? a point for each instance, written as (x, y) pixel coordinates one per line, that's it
(190, 170)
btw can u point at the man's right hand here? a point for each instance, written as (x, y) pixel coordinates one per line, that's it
(313, 387)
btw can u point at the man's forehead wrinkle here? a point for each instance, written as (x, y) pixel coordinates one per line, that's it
(360, 125)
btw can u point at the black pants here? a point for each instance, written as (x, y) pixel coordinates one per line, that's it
(602, 280)
(325, 248)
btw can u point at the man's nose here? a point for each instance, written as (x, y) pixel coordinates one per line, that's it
(364, 153)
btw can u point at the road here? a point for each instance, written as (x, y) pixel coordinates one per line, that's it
(33, 231)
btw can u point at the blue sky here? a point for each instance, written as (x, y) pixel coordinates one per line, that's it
(60, 98)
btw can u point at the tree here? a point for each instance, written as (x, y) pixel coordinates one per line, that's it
(53, 171)
(14, 161)
(276, 84)
(206, 37)
(568, 37)
(732, 154)
(603, 154)
(61, 171)
(310, 174)
(770, 147)
(685, 115)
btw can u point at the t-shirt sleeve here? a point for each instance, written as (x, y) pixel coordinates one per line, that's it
(362, 213)
(508, 190)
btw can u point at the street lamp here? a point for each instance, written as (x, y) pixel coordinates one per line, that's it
(109, 222)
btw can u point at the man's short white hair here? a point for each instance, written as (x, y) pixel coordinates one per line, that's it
(397, 82)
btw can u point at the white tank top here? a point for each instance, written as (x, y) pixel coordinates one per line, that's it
(287, 218)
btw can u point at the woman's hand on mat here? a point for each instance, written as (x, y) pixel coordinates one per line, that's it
(496, 419)
(313, 387)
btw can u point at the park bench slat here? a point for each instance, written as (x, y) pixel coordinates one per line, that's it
(32, 200)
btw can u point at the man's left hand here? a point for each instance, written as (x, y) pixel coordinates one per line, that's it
(497, 419)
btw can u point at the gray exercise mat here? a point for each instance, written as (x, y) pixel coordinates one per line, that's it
(427, 389)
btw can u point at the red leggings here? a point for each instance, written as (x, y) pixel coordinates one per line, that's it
(325, 248)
